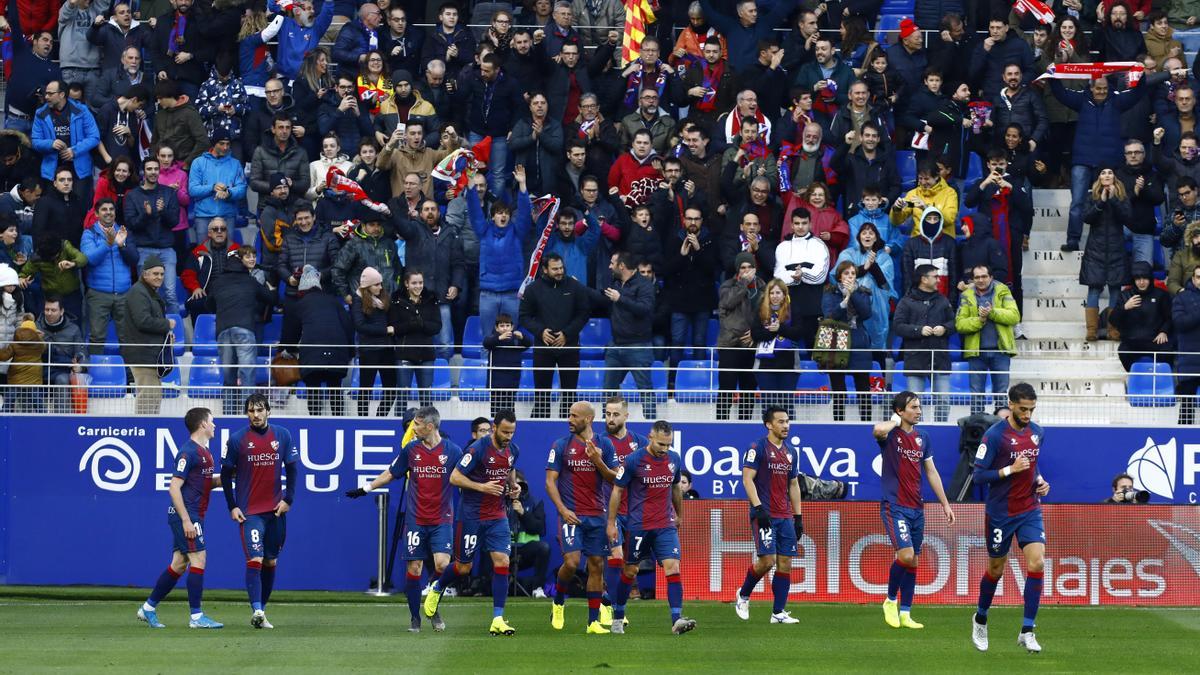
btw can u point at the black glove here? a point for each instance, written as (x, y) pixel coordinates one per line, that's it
(798, 521)
(761, 516)
(356, 493)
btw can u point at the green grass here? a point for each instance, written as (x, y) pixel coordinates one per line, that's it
(91, 629)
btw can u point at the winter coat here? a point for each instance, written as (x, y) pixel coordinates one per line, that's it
(1118, 45)
(505, 358)
(1004, 316)
(1105, 261)
(175, 175)
(29, 72)
(689, 280)
(1142, 219)
(292, 162)
(987, 66)
(191, 71)
(371, 329)
(856, 313)
(27, 352)
(1024, 108)
(183, 129)
(317, 247)
(112, 41)
(238, 298)
(542, 156)
(205, 173)
(855, 172)
(73, 23)
(1184, 261)
(743, 40)
(880, 281)
(784, 356)
(295, 40)
(916, 310)
(403, 160)
(360, 252)
(810, 73)
(84, 138)
(661, 129)
(416, 324)
(349, 126)
(501, 249)
(577, 250)
(1185, 315)
(110, 268)
(1144, 322)
(736, 174)
(319, 323)
(560, 306)
(156, 229)
(931, 248)
(144, 327)
(438, 41)
(56, 281)
(257, 123)
(488, 108)
(318, 169)
(1172, 167)
(824, 219)
(980, 248)
(1098, 139)
(737, 310)
(635, 179)
(215, 93)
(632, 314)
(66, 342)
(13, 206)
(438, 256)
(60, 215)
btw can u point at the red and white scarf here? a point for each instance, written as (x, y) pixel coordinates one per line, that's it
(1040, 10)
(543, 204)
(733, 125)
(1094, 71)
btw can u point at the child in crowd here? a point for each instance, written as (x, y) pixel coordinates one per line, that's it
(505, 345)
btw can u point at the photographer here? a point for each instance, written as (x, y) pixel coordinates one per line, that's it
(1123, 492)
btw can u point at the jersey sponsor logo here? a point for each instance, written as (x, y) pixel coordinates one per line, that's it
(181, 465)
(1153, 467)
(263, 458)
(109, 450)
(751, 454)
(658, 480)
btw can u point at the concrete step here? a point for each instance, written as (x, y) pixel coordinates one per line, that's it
(1060, 330)
(1050, 210)
(1050, 262)
(1103, 386)
(1054, 285)
(1067, 368)
(1075, 349)
(1050, 240)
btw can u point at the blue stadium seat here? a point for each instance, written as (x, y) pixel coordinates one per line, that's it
(204, 335)
(441, 380)
(974, 169)
(112, 343)
(714, 330)
(813, 384)
(473, 380)
(960, 383)
(695, 382)
(658, 380)
(1151, 385)
(108, 376)
(899, 379)
(525, 391)
(955, 347)
(181, 294)
(591, 380)
(888, 22)
(204, 378)
(172, 384)
(472, 340)
(262, 373)
(272, 330)
(594, 337)
(906, 166)
(180, 335)
(876, 371)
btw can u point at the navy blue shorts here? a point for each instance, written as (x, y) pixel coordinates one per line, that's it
(780, 539)
(905, 526)
(180, 542)
(493, 535)
(422, 541)
(263, 535)
(1028, 528)
(589, 536)
(661, 544)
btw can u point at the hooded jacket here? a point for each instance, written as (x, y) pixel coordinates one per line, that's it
(110, 268)
(1004, 316)
(319, 323)
(75, 51)
(1144, 322)
(931, 246)
(980, 248)
(84, 138)
(66, 343)
(360, 252)
(112, 41)
(940, 195)
(26, 351)
(501, 249)
(206, 172)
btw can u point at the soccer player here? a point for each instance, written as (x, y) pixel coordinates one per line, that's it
(577, 470)
(484, 477)
(191, 482)
(1007, 460)
(429, 512)
(905, 449)
(651, 476)
(625, 442)
(257, 458)
(770, 478)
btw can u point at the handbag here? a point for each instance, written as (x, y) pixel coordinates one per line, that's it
(166, 357)
(285, 370)
(831, 348)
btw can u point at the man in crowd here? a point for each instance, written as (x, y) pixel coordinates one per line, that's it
(554, 309)
(151, 214)
(112, 263)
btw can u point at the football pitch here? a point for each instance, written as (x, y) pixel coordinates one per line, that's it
(92, 629)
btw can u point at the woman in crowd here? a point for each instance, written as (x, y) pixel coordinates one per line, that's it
(172, 175)
(416, 320)
(876, 274)
(846, 301)
(376, 355)
(331, 156)
(373, 86)
(776, 335)
(310, 88)
(1105, 261)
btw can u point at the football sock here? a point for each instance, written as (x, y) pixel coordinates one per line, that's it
(624, 588)
(166, 582)
(612, 576)
(268, 582)
(560, 592)
(675, 596)
(499, 589)
(412, 590)
(987, 590)
(752, 579)
(254, 584)
(1033, 597)
(593, 598)
(447, 578)
(780, 585)
(895, 576)
(908, 586)
(195, 586)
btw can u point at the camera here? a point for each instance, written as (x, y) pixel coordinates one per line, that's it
(1131, 496)
(820, 488)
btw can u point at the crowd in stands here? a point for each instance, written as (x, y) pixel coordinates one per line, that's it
(773, 166)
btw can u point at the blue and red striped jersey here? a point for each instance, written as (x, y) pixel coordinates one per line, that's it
(650, 480)
(428, 498)
(776, 467)
(580, 485)
(903, 454)
(194, 464)
(259, 459)
(624, 447)
(1001, 446)
(483, 462)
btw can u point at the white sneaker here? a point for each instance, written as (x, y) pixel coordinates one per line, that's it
(741, 606)
(979, 635)
(784, 617)
(539, 593)
(428, 587)
(1029, 642)
(450, 592)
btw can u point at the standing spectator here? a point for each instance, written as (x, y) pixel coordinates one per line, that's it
(847, 301)
(554, 309)
(117, 80)
(300, 35)
(1184, 259)
(1177, 165)
(1185, 315)
(112, 262)
(689, 272)
(994, 54)
(802, 262)
(32, 70)
(124, 129)
(172, 175)
(1118, 37)
(559, 30)
(177, 124)
(18, 203)
(924, 321)
(740, 296)
(648, 117)
(436, 251)
(537, 144)
(1105, 262)
(490, 102)
(54, 267)
(405, 152)
(747, 239)
(931, 190)
(15, 248)
(747, 159)
(416, 321)
(143, 331)
(1145, 196)
(575, 249)
(366, 247)
(1160, 38)
(216, 184)
(598, 18)
(1143, 318)
(280, 154)
(505, 346)
(64, 132)
(304, 244)
(986, 316)
(861, 162)
(342, 116)
(979, 248)
(636, 174)
(116, 34)
(876, 274)
(1007, 202)
(630, 299)
(567, 84)
(238, 300)
(826, 223)
(318, 169)
(223, 102)
(319, 325)
(79, 58)
(115, 182)
(776, 331)
(449, 42)
(151, 213)
(501, 243)
(709, 84)
(742, 34)
(310, 90)
(369, 308)
(67, 353)
(931, 247)
(401, 43)
(260, 118)
(255, 60)
(60, 209)
(910, 59)
(827, 76)
(178, 47)
(206, 262)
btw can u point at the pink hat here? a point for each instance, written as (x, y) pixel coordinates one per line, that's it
(907, 27)
(370, 276)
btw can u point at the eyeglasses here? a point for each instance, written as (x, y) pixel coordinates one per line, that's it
(218, 229)
(1135, 152)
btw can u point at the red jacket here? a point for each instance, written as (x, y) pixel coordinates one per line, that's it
(635, 180)
(36, 15)
(825, 219)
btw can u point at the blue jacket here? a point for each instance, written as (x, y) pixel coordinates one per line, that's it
(742, 41)
(109, 267)
(576, 252)
(84, 138)
(501, 259)
(353, 41)
(206, 172)
(1185, 316)
(295, 40)
(1098, 132)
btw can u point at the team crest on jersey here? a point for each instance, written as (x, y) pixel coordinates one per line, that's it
(416, 456)
(671, 466)
(442, 459)
(274, 445)
(920, 441)
(1035, 439)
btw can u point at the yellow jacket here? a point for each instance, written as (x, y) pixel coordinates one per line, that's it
(940, 195)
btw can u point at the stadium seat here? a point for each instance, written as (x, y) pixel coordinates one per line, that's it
(172, 383)
(204, 378)
(695, 382)
(442, 390)
(658, 380)
(272, 330)
(852, 390)
(1151, 385)
(112, 343)
(955, 347)
(525, 391)
(889, 22)
(594, 337)
(714, 330)
(974, 169)
(813, 384)
(906, 166)
(960, 383)
(899, 379)
(472, 340)
(108, 376)
(180, 335)
(473, 380)
(181, 294)
(204, 335)
(591, 380)
(262, 373)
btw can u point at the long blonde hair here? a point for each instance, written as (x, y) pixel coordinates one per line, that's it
(253, 21)
(1118, 188)
(764, 305)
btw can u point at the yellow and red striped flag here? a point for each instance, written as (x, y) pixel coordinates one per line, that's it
(638, 13)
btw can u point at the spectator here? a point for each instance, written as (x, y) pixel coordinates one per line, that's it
(636, 174)
(416, 321)
(18, 203)
(1006, 200)
(67, 354)
(32, 69)
(144, 329)
(1143, 319)
(366, 172)
(401, 43)
(318, 325)
(505, 346)
(1105, 262)
(910, 58)
(501, 243)
(366, 247)
(124, 129)
(745, 111)
(79, 58)
(373, 87)
(54, 267)
(652, 119)
(60, 210)
(281, 154)
(574, 249)
(449, 42)
(115, 182)
(861, 162)
(259, 120)
(15, 248)
(178, 125)
(178, 47)
(689, 272)
(369, 308)
(223, 102)
(559, 30)
(25, 354)
(65, 132)
(630, 299)
(567, 84)
(689, 46)
(537, 144)
(1180, 113)
(747, 239)
(986, 316)
(871, 209)
(1160, 38)
(312, 88)
(857, 110)
(116, 80)
(699, 165)
(1118, 37)
(931, 190)
(151, 213)
(802, 263)
(1145, 196)
(685, 484)
(827, 223)
(875, 274)
(318, 169)
(776, 332)
(216, 183)
(847, 301)
(748, 158)
(172, 175)
(490, 101)
(827, 76)
(931, 247)
(405, 152)
(342, 116)
(206, 262)
(979, 248)
(742, 34)
(992, 57)
(924, 321)
(255, 61)
(112, 261)
(301, 35)
(1185, 318)
(403, 106)
(304, 245)
(554, 309)
(437, 252)
(238, 300)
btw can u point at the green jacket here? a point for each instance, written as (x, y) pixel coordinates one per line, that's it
(55, 281)
(1004, 314)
